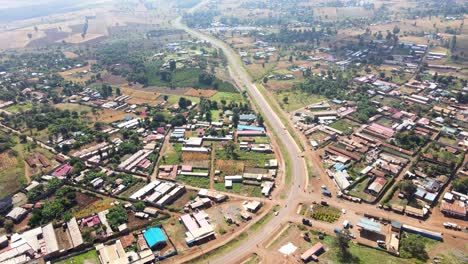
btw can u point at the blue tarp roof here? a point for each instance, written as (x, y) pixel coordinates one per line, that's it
(368, 224)
(255, 128)
(154, 236)
(339, 166)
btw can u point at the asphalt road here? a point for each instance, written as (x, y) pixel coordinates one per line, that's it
(296, 162)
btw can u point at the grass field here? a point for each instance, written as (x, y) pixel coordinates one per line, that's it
(228, 97)
(90, 257)
(242, 189)
(296, 99)
(19, 107)
(73, 107)
(185, 77)
(344, 125)
(200, 182)
(172, 155)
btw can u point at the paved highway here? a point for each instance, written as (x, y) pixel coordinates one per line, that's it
(296, 193)
(296, 162)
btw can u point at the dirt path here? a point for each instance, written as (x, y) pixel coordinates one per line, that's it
(27, 173)
(212, 168)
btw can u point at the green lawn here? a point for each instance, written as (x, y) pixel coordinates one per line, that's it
(255, 159)
(362, 254)
(90, 257)
(172, 157)
(344, 125)
(239, 188)
(296, 99)
(184, 77)
(228, 97)
(19, 107)
(200, 182)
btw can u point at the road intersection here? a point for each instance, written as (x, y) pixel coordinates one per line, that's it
(297, 192)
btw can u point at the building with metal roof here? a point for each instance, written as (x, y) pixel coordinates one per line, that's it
(155, 237)
(369, 225)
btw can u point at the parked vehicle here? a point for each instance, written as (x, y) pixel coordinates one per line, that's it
(306, 221)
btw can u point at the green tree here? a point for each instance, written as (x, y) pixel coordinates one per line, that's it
(139, 206)
(172, 65)
(117, 215)
(285, 100)
(407, 187)
(461, 185)
(341, 242)
(413, 246)
(230, 149)
(453, 43)
(8, 225)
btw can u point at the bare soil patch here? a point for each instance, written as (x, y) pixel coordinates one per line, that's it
(7, 160)
(141, 97)
(70, 55)
(188, 156)
(200, 93)
(230, 167)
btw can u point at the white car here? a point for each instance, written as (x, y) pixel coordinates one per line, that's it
(276, 213)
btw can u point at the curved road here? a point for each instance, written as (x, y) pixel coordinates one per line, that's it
(296, 162)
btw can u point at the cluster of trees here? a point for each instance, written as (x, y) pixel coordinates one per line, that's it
(117, 215)
(410, 140)
(106, 91)
(6, 142)
(43, 189)
(286, 35)
(53, 210)
(413, 246)
(461, 185)
(201, 19)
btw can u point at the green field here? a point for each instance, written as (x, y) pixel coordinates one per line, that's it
(227, 96)
(296, 99)
(344, 125)
(90, 257)
(200, 182)
(19, 107)
(12, 174)
(185, 77)
(239, 188)
(172, 156)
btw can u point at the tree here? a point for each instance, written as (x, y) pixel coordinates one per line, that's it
(461, 185)
(260, 120)
(453, 43)
(117, 215)
(341, 242)
(23, 138)
(285, 100)
(412, 246)
(235, 119)
(407, 187)
(290, 58)
(230, 149)
(172, 65)
(8, 225)
(118, 92)
(139, 206)
(265, 80)
(182, 103)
